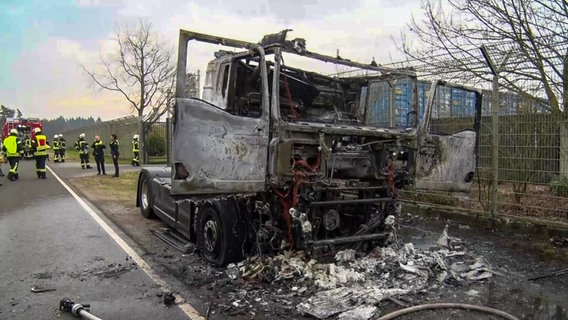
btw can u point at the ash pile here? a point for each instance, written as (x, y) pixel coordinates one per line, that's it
(351, 284)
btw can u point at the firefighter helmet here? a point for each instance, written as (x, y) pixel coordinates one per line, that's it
(135, 136)
(60, 136)
(15, 131)
(82, 135)
(55, 136)
(37, 130)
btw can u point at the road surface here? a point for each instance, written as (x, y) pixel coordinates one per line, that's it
(50, 238)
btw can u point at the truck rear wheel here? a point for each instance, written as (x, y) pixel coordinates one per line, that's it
(145, 197)
(218, 239)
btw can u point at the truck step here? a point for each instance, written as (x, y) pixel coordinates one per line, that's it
(174, 239)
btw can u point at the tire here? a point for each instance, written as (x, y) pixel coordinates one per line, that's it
(145, 199)
(219, 237)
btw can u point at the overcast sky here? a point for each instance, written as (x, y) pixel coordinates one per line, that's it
(44, 42)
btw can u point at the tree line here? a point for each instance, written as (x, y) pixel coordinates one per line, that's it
(50, 126)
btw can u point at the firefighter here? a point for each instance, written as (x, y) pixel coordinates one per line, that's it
(27, 142)
(40, 145)
(99, 154)
(56, 148)
(62, 146)
(11, 148)
(83, 147)
(136, 151)
(1, 159)
(114, 152)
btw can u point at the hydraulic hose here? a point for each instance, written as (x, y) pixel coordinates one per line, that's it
(438, 306)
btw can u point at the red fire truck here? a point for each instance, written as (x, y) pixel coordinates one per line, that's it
(25, 127)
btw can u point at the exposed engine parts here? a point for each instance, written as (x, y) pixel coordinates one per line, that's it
(278, 157)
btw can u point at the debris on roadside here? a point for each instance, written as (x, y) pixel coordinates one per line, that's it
(41, 289)
(559, 242)
(354, 284)
(111, 270)
(472, 293)
(359, 313)
(169, 299)
(551, 274)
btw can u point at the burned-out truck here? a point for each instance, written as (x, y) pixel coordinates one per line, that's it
(275, 156)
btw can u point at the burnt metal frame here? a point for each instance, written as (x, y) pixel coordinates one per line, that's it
(185, 36)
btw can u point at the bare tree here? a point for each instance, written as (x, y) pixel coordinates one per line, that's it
(529, 38)
(141, 70)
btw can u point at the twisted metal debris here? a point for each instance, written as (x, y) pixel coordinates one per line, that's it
(354, 283)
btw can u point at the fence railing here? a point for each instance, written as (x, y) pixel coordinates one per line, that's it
(157, 137)
(532, 155)
(532, 161)
(125, 128)
(154, 141)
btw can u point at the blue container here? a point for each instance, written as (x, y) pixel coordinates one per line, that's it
(384, 99)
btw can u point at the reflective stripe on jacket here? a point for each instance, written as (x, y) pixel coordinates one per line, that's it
(41, 145)
(135, 146)
(82, 146)
(98, 148)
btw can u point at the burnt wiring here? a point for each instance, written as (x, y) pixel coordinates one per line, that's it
(301, 170)
(290, 199)
(295, 114)
(285, 211)
(306, 165)
(391, 177)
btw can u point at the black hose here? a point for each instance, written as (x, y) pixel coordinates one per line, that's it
(437, 306)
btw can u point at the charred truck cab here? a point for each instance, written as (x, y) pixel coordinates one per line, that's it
(278, 157)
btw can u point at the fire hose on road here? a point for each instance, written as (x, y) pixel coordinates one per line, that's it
(77, 309)
(439, 306)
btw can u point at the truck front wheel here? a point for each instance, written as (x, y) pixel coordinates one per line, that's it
(145, 196)
(217, 240)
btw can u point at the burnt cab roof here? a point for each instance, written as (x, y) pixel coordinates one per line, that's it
(269, 43)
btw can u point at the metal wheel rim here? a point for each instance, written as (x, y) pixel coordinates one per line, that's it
(210, 235)
(144, 195)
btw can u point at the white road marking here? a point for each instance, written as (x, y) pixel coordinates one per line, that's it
(184, 305)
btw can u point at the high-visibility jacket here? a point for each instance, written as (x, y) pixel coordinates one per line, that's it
(56, 145)
(98, 148)
(82, 146)
(12, 146)
(41, 145)
(62, 143)
(135, 146)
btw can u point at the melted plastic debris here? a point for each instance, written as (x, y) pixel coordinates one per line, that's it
(346, 255)
(352, 286)
(359, 313)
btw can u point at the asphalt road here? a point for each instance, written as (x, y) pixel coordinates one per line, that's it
(50, 240)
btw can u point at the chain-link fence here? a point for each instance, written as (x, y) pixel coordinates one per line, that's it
(125, 128)
(154, 142)
(156, 136)
(532, 172)
(522, 149)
